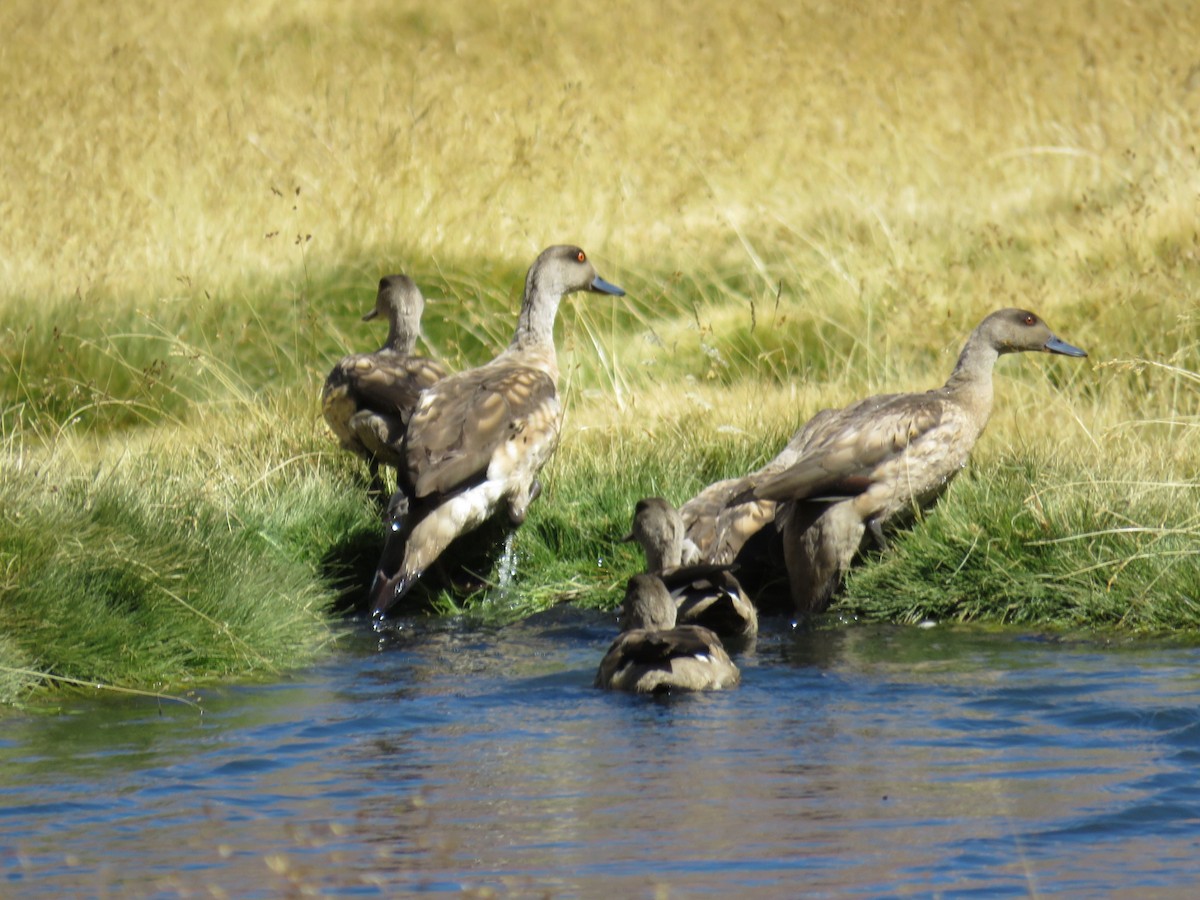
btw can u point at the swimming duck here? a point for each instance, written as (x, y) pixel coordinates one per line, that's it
(707, 595)
(866, 464)
(479, 438)
(654, 655)
(368, 398)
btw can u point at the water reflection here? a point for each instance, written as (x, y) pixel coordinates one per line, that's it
(441, 757)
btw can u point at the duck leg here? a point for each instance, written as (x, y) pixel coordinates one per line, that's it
(376, 488)
(876, 531)
(819, 543)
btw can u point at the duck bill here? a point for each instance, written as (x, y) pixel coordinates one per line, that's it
(371, 315)
(1055, 345)
(600, 286)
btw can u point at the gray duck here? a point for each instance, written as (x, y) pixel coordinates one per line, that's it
(368, 398)
(478, 439)
(704, 594)
(653, 655)
(883, 458)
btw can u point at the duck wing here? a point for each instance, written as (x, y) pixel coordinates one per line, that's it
(840, 456)
(391, 383)
(463, 420)
(658, 648)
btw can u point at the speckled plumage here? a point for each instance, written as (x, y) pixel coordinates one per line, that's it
(654, 655)
(368, 398)
(478, 439)
(718, 527)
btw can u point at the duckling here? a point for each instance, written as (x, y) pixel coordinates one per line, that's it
(478, 439)
(707, 595)
(368, 398)
(654, 655)
(865, 465)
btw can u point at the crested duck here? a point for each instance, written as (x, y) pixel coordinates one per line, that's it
(368, 398)
(478, 439)
(707, 595)
(863, 465)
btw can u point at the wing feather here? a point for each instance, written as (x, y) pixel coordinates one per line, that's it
(838, 459)
(464, 419)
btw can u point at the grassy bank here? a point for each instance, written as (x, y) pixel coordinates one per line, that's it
(805, 207)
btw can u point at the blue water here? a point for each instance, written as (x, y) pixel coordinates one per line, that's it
(444, 759)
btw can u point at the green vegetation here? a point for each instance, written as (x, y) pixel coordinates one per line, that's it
(805, 206)
(1023, 543)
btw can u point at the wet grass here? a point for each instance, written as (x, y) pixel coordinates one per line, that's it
(802, 215)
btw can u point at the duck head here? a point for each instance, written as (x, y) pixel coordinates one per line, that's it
(658, 528)
(1017, 330)
(402, 303)
(647, 604)
(564, 269)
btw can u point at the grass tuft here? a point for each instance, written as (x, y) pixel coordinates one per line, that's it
(1028, 543)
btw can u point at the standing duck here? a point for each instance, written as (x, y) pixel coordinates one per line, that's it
(653, 655)
(368, 398)
(861, 466)
(479, 438)
(707, 595)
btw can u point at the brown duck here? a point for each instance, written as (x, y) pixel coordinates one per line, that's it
(479, 438)
(707, 595)
(369, 398)
(861, 466)
(654, 655)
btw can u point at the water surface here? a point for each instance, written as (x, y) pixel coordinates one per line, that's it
(448, 759)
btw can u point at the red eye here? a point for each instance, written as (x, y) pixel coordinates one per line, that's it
(581, 256)
(1030, 319)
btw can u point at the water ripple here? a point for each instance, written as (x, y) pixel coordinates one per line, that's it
(441, 758)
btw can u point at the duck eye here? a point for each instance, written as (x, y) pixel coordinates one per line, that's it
(1030, 319)
(581, 256)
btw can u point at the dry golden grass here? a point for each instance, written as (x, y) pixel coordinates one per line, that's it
(890, 172)
(147, 142)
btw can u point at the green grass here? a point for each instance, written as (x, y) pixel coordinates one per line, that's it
(140, 575)
(805, 207)
(1026, 542)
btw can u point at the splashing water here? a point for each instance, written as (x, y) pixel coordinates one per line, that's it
(506, 569)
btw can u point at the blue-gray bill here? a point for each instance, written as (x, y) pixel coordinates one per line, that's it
(599, 285)
(1056, 345)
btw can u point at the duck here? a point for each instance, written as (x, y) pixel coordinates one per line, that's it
(478, 439)
(368, 398)
(707, 595)
(879, 461)
(654, 655)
